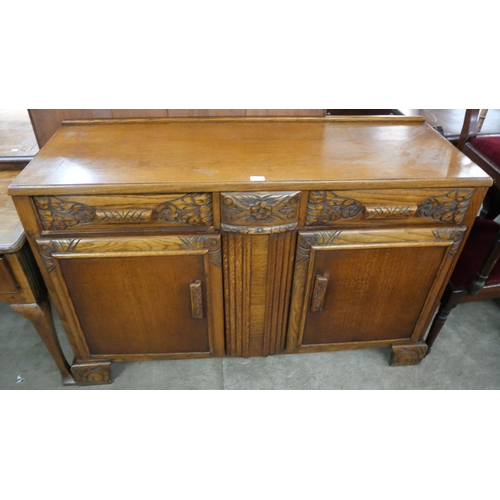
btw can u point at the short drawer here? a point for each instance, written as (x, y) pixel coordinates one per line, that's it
(259, 212)
(447, 206)
(80, 213)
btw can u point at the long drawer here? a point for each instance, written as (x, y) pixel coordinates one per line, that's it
(415, 206)
(88, 213)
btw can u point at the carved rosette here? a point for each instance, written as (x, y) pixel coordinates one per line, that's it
(449, 208)
(47, 248)
(326, 207)
(92, 373)
(259, 213)
(450, 233)
(57, 214)
(407, 355)
(199, 241)
(194, 209)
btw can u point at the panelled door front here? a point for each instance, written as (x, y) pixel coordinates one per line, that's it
(366, 286)
(140, 295)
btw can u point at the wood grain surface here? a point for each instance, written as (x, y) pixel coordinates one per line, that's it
(138, 291)
(373, 293)
(144, 157)
(47, 121)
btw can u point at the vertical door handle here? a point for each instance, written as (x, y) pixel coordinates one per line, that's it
(319, 290)
(196, 299)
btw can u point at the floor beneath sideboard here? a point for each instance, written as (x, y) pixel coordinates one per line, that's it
(16, 133)
(465, 356)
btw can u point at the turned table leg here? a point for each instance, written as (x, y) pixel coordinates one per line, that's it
(451, 299)
(41, 317)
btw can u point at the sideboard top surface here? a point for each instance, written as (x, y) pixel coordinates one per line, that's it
(140, 156)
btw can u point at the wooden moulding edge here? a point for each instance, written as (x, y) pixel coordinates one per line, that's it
(246, 186)
(248, 119)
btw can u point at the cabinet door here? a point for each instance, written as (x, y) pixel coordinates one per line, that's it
(377, 287)
(140, 296)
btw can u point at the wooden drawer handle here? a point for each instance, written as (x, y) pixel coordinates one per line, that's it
(196, 299)
(390, 211)
(320, 284)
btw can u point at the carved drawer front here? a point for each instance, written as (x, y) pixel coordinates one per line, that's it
(80, 213)
(414, 206)
(259, 212)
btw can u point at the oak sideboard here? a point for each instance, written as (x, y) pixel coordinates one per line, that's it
(184, 238)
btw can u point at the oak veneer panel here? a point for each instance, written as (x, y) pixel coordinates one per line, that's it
(201, 155)
(257, 279)
(372, 293)
(258, 289)
(45, 122)
(137, 113)
(279, 279)
(134, 305)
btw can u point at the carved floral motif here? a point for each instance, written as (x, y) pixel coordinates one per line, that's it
(308, 240)
(325, 207)
(56, 214)
(450, 233)
(197, 241)
(194, 209)
(47, 248)
(272, 209)
(448, 208)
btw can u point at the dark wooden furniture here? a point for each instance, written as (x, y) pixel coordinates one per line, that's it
(476, 275)
(165, 239)
(485, 151)
(21, 284)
